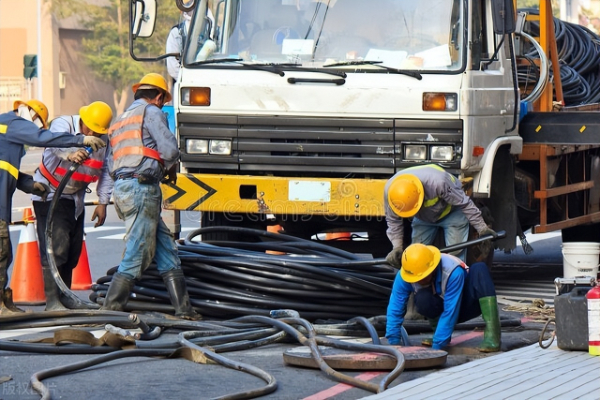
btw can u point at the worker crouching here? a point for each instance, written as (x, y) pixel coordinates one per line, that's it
(447, 292)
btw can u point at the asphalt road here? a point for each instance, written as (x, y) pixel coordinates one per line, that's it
(152, 378)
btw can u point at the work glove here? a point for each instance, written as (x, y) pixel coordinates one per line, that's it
(40, 189)
(488, 231)
(394, 258)
(93, 142)
(78, 156)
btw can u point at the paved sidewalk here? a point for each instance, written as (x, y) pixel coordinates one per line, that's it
(527, 373)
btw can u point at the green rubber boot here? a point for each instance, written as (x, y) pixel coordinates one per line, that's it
(491, 333)
(433, 324)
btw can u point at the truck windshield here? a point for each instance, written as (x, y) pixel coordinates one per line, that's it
(405, 34)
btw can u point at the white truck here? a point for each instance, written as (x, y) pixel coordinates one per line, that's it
(296, 112)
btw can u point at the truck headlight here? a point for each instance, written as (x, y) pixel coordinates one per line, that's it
(195, 96)
(415, 152)
(442, 153)
(222, 147)
(196, 146)
(440, 101)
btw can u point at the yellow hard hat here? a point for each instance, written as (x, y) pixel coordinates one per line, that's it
(405, 195)
(418, 261)
(153, 80)
(40, 109)
(97, 116)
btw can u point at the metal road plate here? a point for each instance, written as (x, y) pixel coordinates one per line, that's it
(415, 358)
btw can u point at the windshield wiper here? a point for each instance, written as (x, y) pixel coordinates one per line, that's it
(216, 61)
(277, 67)
(413, 74)
(268, 66)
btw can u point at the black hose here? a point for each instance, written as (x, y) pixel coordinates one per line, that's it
(578, 51)
(74, 301)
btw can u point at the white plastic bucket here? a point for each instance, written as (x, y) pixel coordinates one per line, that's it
(580, 259)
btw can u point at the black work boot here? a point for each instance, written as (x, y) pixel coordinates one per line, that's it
(118, 293)
(51, 291)
(7, 306)
(180, 299)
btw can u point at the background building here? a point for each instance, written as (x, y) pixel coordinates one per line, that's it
(63, 83)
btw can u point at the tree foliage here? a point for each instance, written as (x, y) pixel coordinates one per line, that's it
(536, 4)
(106, 47)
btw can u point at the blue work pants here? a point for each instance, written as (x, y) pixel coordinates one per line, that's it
(478, 284)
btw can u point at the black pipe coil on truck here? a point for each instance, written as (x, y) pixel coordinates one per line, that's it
(578, 51)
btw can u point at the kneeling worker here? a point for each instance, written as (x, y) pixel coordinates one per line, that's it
(447, 292)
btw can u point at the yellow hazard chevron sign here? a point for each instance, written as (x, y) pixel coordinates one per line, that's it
(275, 195)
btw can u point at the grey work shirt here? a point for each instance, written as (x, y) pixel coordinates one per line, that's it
(436, 183)
(105, 183)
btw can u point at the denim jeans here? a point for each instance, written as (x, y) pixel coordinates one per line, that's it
(147, 237)
(455, 226)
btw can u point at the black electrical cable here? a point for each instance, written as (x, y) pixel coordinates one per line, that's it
(74, 301)
(225, 282)
(578, 50)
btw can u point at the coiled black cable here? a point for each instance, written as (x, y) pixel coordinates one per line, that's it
(578, 53)
(229, 281)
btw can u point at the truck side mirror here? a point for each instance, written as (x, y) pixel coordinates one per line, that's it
(503, 15)
(144, 18)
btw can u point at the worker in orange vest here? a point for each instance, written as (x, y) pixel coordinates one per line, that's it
(142, 153)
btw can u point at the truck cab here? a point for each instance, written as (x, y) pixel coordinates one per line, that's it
(296, 112)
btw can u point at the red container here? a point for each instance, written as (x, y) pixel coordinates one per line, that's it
(593, 306)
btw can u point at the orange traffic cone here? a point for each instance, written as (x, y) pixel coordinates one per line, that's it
(82, 278)
(27, 280)
(274, 229)
(338, 236)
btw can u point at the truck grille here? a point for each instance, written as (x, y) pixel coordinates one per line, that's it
(297, 146)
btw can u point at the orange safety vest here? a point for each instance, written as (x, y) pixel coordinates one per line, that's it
(125, 137)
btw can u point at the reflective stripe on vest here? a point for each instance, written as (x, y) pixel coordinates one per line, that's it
(130, 129)
(3, 128)
(77, 181)
(90, 162)
(76, 176)
(433, 201)
(10, 169)
(49, 177)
